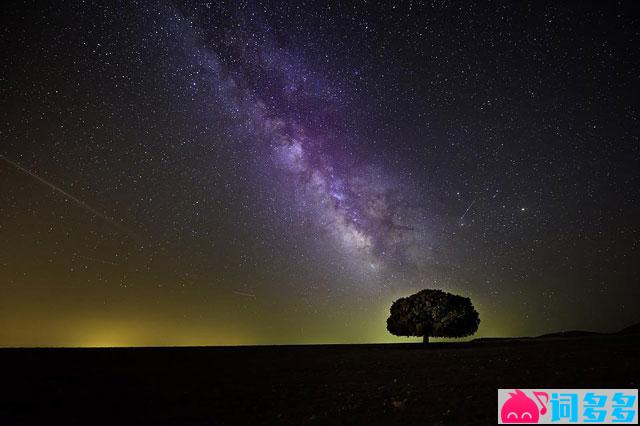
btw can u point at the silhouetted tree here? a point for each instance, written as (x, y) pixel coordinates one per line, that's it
(433, 313)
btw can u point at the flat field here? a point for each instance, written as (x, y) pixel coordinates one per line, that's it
(444, 383)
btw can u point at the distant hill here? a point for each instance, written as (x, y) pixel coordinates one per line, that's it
(632, 329)
(569, 333)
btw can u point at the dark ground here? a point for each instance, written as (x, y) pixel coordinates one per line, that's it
(448, 383)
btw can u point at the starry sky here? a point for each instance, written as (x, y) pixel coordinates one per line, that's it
(240, 172)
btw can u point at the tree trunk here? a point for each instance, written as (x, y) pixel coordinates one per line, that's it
(425, 340)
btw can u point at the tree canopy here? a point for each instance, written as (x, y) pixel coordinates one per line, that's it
(433, 313)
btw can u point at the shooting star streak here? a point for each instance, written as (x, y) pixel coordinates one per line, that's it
(95, 259)
(69, 196)
(242, 293)
(467, 210)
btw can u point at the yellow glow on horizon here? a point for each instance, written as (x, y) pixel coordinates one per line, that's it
(130, 328)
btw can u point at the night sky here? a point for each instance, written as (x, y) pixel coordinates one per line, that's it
(268, 172)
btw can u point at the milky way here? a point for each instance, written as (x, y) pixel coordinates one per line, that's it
(278, 103)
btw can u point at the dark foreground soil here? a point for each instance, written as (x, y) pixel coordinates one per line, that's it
(449, 383)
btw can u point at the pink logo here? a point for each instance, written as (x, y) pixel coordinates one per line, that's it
(519, 408)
